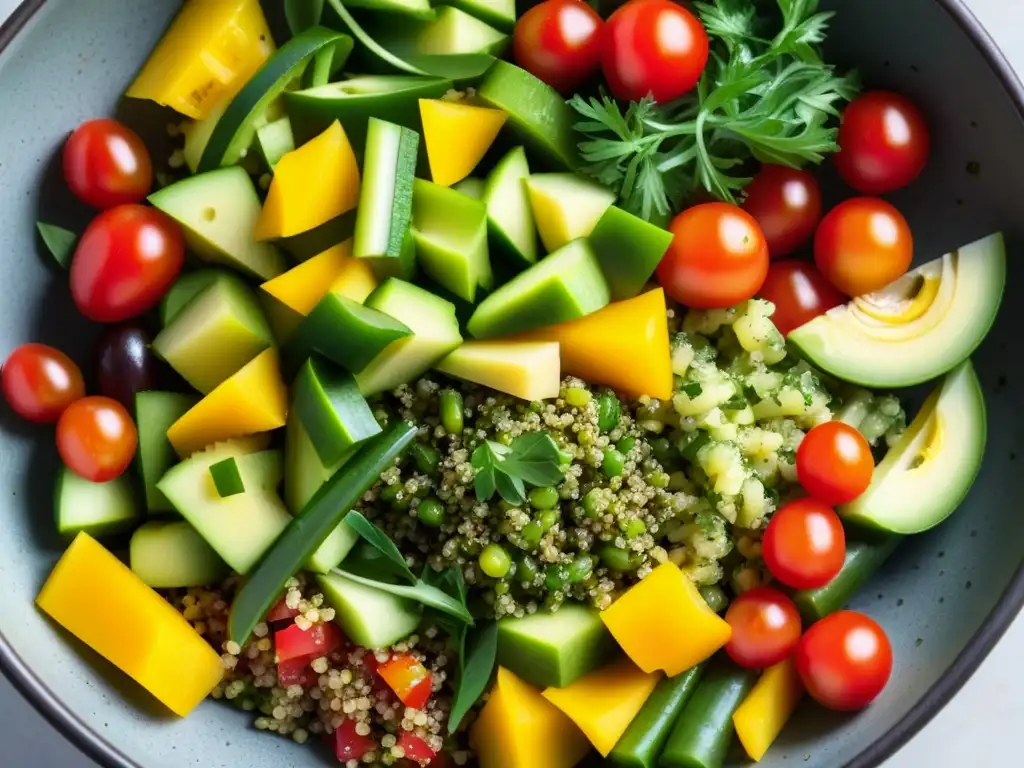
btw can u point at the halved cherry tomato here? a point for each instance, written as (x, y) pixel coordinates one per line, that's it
(106, 164)
(834, 463)
(653, 47)
(40, 382)
(408, 678)
(765, 628)
(319, 640)
(862, 245)
(718, 257)
(96, 438)
(844, 660)
(349, 744)
(883, 143)
(559, 41)
(804, 544)
(124, 263)
(787, 205)
(415, 748)
(799, 292)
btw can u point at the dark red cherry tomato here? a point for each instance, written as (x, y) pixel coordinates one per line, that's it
(106, 164)
(787, 205)
(765, 628)
(39, 382)
(125, 364)
(559, 41)
(799, 292)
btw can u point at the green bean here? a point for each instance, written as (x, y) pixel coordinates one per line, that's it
(449, 404)
(431, 512)
(618, 559)
(425, 457)
(608, 412)
(544, 498)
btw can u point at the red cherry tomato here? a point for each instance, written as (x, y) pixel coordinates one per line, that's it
(834, 463)
(106, 164)
(653, 47)
(96, 438)
(844, 660)
(799, 292)
(862, 245)
(787, 205)
(124, 263)
(804, 544)
(718, 257)
(883, 143)
(559, 41)
(39, 382)
(765, 628)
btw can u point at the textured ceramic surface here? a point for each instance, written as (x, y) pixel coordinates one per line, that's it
(945, 597)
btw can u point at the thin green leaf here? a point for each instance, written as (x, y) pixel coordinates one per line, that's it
(302, 14)
(535, 457)
(420, 592)
(59, 242)
(381, 542)
(510, 488)
(477, 663)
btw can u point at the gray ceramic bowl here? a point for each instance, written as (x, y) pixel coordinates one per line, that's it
(945, 597)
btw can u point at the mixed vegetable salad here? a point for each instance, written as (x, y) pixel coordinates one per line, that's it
(493, 414)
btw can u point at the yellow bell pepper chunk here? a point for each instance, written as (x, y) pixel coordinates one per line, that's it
(525, 369)
(251, 401)
(208, 53)
(604, 702)
(664, 623)
(312, 185)
(457, 137)
(763, 714)
(623, 346)
(98, 599)
(301, 288)
(517, 728)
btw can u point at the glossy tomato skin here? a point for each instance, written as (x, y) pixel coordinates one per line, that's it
(717, 258)
(765, 628)
(40, 382)
(799, 292)
(787, 205)
(125, 364)
(124, 263)
(96, 438)
(804, 544)
(653, 47)
(862, 245)
(559, 41)
(884, 143)
(834, 463)
(106, 164)
(844, 661)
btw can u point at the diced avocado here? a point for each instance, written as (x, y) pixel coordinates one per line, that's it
(513, 234)
(98, 509)
(554, 649)
(450, 32)
(155, 412)
(563, 286)
(450, 232)
(188, 286)
(537, 112)
(628, 249)
(928, 472)
(275, 140)
(383, 224)
(917, 328)
(369, 617)
(566, 206)
(226, 477)
(419, 9)
(218, 212)
(435, 333)
(471, 186)
(526, 369)
(335, 415)
(217, 333)
(173, 555)
(500, 14)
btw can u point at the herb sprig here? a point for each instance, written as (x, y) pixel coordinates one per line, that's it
(533, 458)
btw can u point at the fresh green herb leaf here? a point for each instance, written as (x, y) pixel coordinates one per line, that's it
(533, 458)
(449, 580)
(692, 389)
(419, 591)
(477, 666)
(383, 544)
(59, 242)
(302, 14)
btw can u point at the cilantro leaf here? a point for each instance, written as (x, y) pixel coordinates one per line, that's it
(390, 560)
(476, 662)
(533, 458)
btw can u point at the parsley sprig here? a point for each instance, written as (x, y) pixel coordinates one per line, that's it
(533, 458)
(769, 98)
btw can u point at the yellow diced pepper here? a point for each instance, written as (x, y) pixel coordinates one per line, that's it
(763, 714)
(664, 623)
(457, 137)
(302, 287)
(100, 601)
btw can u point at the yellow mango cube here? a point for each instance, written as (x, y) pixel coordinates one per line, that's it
(763, 714)
(302, 287)
(525, 369)
(98, 599)
(457, 137)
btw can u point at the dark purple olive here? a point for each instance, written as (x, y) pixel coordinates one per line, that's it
(124, 362)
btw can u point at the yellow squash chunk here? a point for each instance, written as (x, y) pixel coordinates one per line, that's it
(457, 137)
(623, 346)
(663, 623)
(251, 401)
(207, 54)
(312, 185)
(98, 599)
(763, 714)
(604, 702)
(526, 369)
(302, 287)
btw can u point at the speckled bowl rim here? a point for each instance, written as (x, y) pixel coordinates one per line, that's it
(940, 694)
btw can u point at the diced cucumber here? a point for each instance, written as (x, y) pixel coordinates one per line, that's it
(315, 241)
(335, 415)
(451, 31)
(59, 242)
(275, 140)
(173, 555)
(418, 9)
(226, 478)
(369, 617)
(197, 135)
(564, 286)
(450, 232)
(435, 333)
(566, 206)
(154, 414)
(218, 212)
(513, 234)
(628, 249)
(471, 186)
(98, 509)
(500, 14)
(383, 223)
(188, 286)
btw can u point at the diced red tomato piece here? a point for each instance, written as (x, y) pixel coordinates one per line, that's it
(408, 678)
(319, 640)
(381, 690)
(416, 749)
(296, 672)
(281, 612)
(349, 745)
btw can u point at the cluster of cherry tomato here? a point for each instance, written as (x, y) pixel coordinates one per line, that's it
(123, 264)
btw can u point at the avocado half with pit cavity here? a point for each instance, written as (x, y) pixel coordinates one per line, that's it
(915, 329)
(930, 469)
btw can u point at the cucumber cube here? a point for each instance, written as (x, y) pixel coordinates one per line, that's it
(628, 249)
(331, 409)
(173, 555)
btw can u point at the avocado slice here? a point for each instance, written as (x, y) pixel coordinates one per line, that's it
(500, 14)
(928, 472)
(916, 329)
(525, 369)
(629, 250)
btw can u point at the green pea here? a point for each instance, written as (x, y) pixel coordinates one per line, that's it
(555, 577)
(389, 493)
(430, 512)
(613, 464)
(501, 588)
(659, 480)
(549, 518)
(449, 405)
(527, 570)
(592, 505)
(532, 533)
(625, 445)
(608, 412)
(425, 457)
(618, 559)
(635, 527)
(715, 597)
(544, 498)
(580, 568)
(577, 397)
(494, 561)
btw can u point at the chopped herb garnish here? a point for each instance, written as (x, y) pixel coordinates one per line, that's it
(534, 458)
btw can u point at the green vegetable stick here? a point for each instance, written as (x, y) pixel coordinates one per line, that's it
(226, 478)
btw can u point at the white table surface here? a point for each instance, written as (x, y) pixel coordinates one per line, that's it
(978, 728)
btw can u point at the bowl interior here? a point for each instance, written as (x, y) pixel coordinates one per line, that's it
(73, 59)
